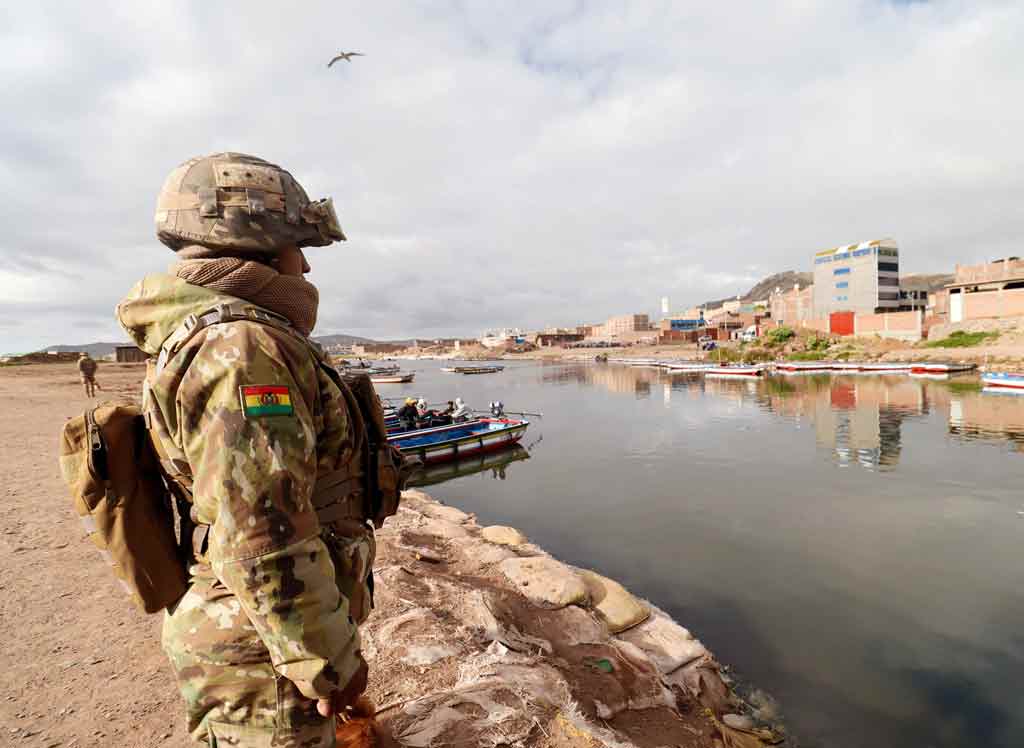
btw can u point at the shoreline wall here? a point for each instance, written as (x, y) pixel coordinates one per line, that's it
(480, 638)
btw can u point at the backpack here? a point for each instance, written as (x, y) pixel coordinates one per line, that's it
(387, 469)
(125, 508)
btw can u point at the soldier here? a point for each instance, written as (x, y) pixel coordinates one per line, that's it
(87, 370)
(262, 439)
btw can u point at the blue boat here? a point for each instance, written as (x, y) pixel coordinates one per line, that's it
(446, 443)
(1002, 379)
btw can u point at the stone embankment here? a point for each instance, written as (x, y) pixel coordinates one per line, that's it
(480, 638)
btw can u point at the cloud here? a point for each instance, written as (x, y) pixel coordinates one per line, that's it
(526, 164)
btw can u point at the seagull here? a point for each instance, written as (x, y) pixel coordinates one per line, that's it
(346, 56)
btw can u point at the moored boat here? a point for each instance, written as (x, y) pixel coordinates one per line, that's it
(735, 371)
(940, 368)
(885, 368)
(472, 369)
(393, 378)
(804, 366)
(446, 443)
(684, 367)
(1003, 379)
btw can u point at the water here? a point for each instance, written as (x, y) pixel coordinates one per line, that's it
(852, 545)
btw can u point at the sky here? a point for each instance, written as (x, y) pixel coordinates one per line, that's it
(510, 164)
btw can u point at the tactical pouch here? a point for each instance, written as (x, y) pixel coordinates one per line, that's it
(387, 468)
(117, 489)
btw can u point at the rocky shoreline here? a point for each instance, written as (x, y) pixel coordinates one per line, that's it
(481, 638)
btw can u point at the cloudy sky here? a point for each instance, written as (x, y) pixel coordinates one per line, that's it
(498, 163)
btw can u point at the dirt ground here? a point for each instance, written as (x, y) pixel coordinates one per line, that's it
(82, 667)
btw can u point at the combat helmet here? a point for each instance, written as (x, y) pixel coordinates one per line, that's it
(241, 204)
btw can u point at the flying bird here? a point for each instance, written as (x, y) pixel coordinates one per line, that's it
(346, 56)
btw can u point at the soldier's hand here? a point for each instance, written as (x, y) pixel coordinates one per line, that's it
(346, 696)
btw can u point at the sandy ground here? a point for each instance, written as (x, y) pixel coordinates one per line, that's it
(82, 667)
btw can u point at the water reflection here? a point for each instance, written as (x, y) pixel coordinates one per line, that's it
(850, 544)
(494, 464)
(857, 419)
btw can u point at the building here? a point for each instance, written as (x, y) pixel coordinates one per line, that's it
(625, 327)
(990, 290)
(683, 323)
(129, 354)
(557, 338)
(793, 306)
(862, 278)
(505, 336)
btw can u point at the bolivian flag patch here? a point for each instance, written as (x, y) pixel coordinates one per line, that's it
(265, 400)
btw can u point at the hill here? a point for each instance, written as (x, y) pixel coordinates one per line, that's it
(786, 280)
(925, 282)
(341, 339)
(762, 290)
(96, 350)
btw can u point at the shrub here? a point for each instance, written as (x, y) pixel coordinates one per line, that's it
(778, 335)
(804, 356)
(961, 339)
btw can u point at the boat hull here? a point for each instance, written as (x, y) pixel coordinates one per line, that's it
(446, 443)
(730, 372)
(1007, 381)
(393, 379)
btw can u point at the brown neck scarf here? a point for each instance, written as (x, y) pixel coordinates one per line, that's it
(291, 296)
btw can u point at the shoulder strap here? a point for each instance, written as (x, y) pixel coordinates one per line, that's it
(194, 323)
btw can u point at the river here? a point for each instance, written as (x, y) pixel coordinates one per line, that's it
(852, 545)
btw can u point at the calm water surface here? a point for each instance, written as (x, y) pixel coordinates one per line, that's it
(852, 545)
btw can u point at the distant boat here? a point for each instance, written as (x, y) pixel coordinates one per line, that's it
(885, 368)
(472, 369)
(1003, 379)
(735, 371)
(935, 368)
(446, 443)
(804, 366)
(392, 378)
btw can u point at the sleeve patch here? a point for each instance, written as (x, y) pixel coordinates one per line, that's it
(260, 400)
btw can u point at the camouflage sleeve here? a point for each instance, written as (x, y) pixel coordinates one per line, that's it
(248, 432)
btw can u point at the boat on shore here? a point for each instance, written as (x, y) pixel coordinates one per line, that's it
(398, 378)
(446, 443)
(1003, 380)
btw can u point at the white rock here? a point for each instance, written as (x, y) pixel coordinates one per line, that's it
(669, 645)
(445, 513)
(544, 581)
(738, 721)
(619, 609)
(442, 529)
(503, 535)
(427, 654)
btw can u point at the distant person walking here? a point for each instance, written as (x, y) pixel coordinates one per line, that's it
(87, 370)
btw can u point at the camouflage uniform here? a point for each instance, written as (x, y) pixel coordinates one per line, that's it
(269, 623)
(87, 370)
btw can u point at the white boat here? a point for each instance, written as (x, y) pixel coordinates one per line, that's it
(689, 366)
(885, 368)
(1003, 380)
(939, 368)
(805, 366)
(734, 371)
